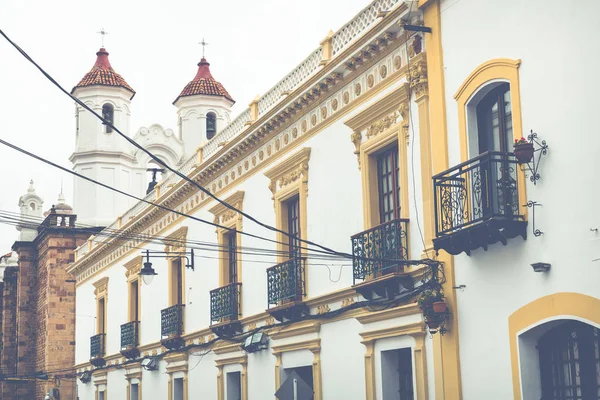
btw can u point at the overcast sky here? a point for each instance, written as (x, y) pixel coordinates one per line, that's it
(154, 46)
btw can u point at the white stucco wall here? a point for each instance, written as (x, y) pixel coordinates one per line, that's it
(558, 81)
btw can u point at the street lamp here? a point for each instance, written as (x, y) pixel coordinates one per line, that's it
(147, 272)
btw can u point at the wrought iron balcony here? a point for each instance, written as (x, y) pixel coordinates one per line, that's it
(286, 289)
(171, 326)
(380, 250)
(225, 303)
(97, 349)
(225, 309)
(477, 204)
(129, 339)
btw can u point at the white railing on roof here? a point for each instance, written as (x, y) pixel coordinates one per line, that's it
(359, 23)
(232, 130)
(291, 81)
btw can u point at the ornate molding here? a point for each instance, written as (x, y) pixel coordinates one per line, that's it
(405, 115)
(381, 125)
(133, 267)
(176, 241)
(418, 77)
(356, 138)
(226, 216)
(289, 171)
(101, 286)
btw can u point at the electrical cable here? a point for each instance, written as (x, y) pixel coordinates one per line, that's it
(161, 162)
(39, 158)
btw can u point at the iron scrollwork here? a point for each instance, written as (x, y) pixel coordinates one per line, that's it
(285, 281)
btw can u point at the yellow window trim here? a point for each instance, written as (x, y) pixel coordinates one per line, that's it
(417, 331)
(562, 304)
(100, 378)
(288, 179)
(177, 362)
(101, 293)
(133, 371)
(498, 69)
(231, 220)
(314, 346)
(243, 361)
(132, 272)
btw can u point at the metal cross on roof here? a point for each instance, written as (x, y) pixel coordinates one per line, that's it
(204, 44)
(103, 33)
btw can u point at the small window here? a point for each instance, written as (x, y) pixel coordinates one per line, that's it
(178, 389)
(234, 386)
(32, 206)
(135, 391)
(293, 226)
(134, 300)
(101, 316)
(108, 113)
(494, 120)
(397, 374)
(101, 395)
(176, 282)
(231, 238)
(211, 125)
(388, 184)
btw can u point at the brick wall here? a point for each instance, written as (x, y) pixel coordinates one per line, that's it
(9, 331)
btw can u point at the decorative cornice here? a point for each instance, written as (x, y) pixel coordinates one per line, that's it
(409, 309)
(101, 286)
(289, 170)
(414, 329)
(418, 77)
(226, 347)
(314, 345)
(176, 241)
(232, 360)
(296, 330)
(381, 108)
(223, 214)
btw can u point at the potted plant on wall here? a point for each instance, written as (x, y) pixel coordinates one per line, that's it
(523, 150)
(433, 306)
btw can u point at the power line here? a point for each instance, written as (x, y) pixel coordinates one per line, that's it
(39, 158)
(161, 162)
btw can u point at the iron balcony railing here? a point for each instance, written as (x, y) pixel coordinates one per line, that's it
(97, 349)
(380, 250)
(171, 321)
(129, 335)
(483, 188)
(285, 282)
(225, 303)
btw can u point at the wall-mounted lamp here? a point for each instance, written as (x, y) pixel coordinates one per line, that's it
(256, 342)
(147, 272)
(149, 364)
(85, 376)
(541, 267)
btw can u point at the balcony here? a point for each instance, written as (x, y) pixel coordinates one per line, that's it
(477, 204)
(130, 340)
(286, 290)
(171, 326)
(225, 310)
(97, 350)
(379, 256)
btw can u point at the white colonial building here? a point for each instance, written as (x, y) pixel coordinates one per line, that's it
(392, 143)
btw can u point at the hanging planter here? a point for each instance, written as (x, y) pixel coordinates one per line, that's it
(434, 309)
(523, 151)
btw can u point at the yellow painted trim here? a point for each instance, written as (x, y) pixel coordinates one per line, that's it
(314, 346)
(368, 162)
(554, 305)
(288, 179)
(503, 69)
(417, 331)
(227, 347)
(397, 312)
(101, 293)
(230, 220)
(302, 328)
(243, 361)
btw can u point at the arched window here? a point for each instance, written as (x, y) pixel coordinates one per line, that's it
(211, 125)
(108, 113)
(570, 362)
(494, 120)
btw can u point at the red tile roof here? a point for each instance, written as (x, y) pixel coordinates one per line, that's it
(103, 74)
(204, 83)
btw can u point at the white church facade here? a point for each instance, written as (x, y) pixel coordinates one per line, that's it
(464, 264)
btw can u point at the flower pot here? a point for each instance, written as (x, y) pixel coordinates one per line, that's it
(439, 307)
(524, 152)
(432, 322)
